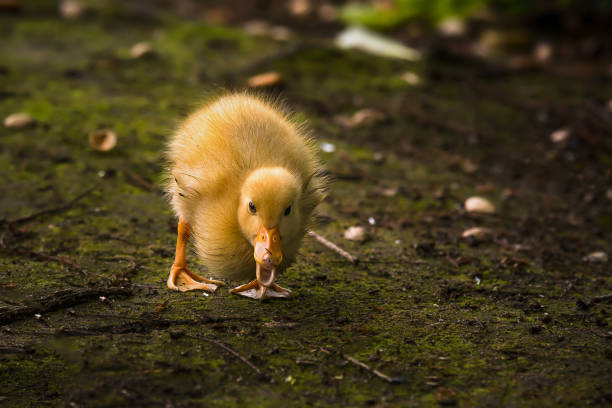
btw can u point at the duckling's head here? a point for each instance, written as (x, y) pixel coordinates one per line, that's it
(269, 212)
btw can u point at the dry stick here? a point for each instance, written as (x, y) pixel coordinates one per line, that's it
(59, 208)
(229, 350)
(59, 300)
(58, 258)
(372, 370)
(140, 181)
(333, 247)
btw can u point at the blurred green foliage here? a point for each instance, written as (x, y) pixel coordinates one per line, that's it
(388, 14)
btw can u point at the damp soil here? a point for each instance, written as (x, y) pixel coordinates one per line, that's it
(424, 319)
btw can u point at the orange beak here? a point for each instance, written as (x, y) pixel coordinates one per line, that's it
(267, 245)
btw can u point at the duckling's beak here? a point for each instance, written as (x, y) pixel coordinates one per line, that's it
(267, 245)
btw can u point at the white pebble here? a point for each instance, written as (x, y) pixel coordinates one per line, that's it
(18, 120)
(411, 78)
(328, 147)
(479, 204)
(477, 233)
(597, 257)
(141, 49)
(357, 234)
(372, 221)
(560, 135)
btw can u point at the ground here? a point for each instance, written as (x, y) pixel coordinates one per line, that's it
(518, 320)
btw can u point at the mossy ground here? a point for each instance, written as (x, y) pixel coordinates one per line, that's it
(496, 324)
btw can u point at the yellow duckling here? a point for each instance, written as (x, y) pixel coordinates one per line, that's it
(243, 185)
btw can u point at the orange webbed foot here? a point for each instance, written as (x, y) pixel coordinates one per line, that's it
(183, 280)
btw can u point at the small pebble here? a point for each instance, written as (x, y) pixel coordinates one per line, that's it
(365, 117)
(478, 234)
(411, 78)
(18, 120)
(256, 27)
(280, 33)
(140, 50)
(357, 234)
(299, 8)
(452, 27)
(102, 140)
(596, 257)
(559, 136)
(328, 12)
(71, 9)
(479, 204)
(372, 221)
(543, 52)
(328, 147)
(265, 80)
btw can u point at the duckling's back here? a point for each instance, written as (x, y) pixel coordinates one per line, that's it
(211, 154)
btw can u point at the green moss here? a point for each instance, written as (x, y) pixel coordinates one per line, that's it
(418, 315)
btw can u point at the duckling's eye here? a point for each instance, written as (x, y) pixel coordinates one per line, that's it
(288, 210)
(252, 208)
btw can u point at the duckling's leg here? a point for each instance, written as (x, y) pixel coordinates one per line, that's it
(263, 287)
(191, 281)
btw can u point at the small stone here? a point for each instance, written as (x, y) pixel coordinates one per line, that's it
(328, 12)
(452, 27)
(411, 78)
(543, 52)
(265, 80)
(479, 204)
(299, 8)
(357, 234)
(559, 136)
(372, 221)
(596, 257)
(140, 50)
(365, 117)
(378, 157)
(18, 120)
(390, 192)
(102, 140)
(256, 27)
(328, 147)
(477, 234)
(71, 9)
(280, 33)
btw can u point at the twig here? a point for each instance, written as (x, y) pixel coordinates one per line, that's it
(52, 210)
(333, 247)
(229, 350)
(374, 371)
(58, 300)
(140, 181)
(57, 258)
(602, 298)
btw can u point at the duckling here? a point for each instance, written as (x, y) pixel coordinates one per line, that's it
(244, 184)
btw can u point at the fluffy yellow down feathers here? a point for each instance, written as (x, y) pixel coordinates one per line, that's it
(240, 167)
